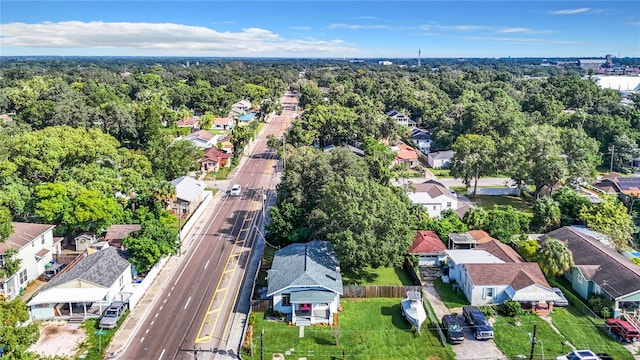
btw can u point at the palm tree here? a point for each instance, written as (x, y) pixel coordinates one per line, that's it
(555, 257)
(164, 192)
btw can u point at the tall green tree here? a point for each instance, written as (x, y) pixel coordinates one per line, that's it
(546, 214)
(611, 218)
(555, 257)
(16, 337)
(6, 229)
(474, 157)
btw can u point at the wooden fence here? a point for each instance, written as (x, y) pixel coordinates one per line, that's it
(260, 305)
(374, 291)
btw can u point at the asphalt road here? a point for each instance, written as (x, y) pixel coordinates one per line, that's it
(190, 318)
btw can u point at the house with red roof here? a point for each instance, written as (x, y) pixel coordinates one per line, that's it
(214, 159)
(223, 123)
(405, 154)
(189, 122)
(428, 246)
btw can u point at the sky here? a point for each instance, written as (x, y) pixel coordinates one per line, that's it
(321, 29)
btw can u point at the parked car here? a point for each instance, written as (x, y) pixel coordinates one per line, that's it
(113, 313)
(235, 190)
(622, 330)
(53, 270)
(452, 329)
(563, 300)
(579, 355)
(481, 328)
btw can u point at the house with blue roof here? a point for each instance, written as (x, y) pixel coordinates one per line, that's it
(305, 283)
(246, 118)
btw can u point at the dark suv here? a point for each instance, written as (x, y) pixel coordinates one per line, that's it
(452, 329)
(479, 324)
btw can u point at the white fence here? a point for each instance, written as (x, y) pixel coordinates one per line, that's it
(140, 288)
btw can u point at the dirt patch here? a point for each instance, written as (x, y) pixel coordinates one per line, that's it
(58, 338)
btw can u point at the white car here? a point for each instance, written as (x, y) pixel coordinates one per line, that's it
(579, 355)
(235, 190)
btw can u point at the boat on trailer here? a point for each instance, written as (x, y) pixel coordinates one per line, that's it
(413, 309)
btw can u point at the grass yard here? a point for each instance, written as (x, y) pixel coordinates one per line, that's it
(368, 329)
(514, 340)
(514, 201)
(450, 298)
(267, 259)
(379, 276)
(96, 344)
(584, 334)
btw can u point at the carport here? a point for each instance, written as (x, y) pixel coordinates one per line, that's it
(65, 302)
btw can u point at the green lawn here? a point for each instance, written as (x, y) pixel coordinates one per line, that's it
(450, 298)
(96, 344)
(514, 201)
(267, 259)
(514, 340)
(379, 276)
(584, 334)
(368, 328)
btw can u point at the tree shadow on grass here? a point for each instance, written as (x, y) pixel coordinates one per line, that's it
(395, 312)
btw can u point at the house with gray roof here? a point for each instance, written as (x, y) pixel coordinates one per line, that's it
(434, 197)
(599, 269)
(305, 283)
(440, 159)
(85, 289)
(189, 195)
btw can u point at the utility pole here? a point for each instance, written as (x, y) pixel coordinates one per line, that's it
(612, 150)
(533, 340)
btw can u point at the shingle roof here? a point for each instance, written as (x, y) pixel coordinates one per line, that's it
(188, 121)
(23, 234)
(503, 251)
(427, 242)
(462, 238)
(481, 236)
(518, 275)
(102, 268)
(599, 262)
(434, 189)
(313, 264)
(446, 154)
(222, 120)
(119, 232)
(200, 135)
(187, 188)
(215, 154)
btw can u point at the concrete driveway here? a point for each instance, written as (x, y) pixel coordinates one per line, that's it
(470, 349)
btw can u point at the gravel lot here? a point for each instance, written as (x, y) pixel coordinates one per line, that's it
(58, 338)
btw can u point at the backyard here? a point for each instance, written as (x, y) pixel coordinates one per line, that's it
(369, 328)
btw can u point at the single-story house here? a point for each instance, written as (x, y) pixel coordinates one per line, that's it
(35, 246)
(214, 159)
(116, 233)
(246, 118)
(440, 159)
(458, 259)
(623, 185)
(86, 289)
(501, 250)
(524, 282)
(428, 246)
(189, 195)
(599, 269)
(202, 139)
(189, 122)
(434, 196)
(305, 283)
(461, 241)
(405, 154)
(422, 139)
(353, 149)
(223, 123)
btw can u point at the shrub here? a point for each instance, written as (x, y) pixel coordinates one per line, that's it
(510, 308)
(600, 305)
(636, 260)
(488, 310)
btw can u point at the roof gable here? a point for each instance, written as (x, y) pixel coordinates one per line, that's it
(503, 251)
(427, 242)
(188, 188)
(313, 264)
(517, 275)
(598, 261)
(102, 268)
(119, 232)
(434, 189)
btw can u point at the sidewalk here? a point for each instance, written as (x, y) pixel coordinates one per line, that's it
(124, 335)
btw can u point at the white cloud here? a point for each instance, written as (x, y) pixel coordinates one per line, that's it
(515, 30)
(305, 28)
(570, 11)
(165, 38)
(336, 26)
(513, 40)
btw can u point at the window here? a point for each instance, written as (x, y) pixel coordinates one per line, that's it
(487, 293)
(286, 300)
(42, 239)
(434, 207)
(121, 281)
(580, 278)
(449, 205)
(22, 278)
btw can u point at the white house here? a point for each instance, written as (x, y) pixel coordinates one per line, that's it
(440, 159)
(202, 139)
(305, 283)
(495, 283)
(422, 140)
(401, 119)
(223, 123)
(189, 195)
(35, 246)
(434, 196)
(86, 289)
(458, 259)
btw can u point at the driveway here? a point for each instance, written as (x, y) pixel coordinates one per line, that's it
(470, 349)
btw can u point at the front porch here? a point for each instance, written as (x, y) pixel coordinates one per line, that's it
(311, 307)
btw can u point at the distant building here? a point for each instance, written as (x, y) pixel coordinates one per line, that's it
(592, 64)
(385, 62)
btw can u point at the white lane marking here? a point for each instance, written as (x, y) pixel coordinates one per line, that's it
(162, 353)
(187, 303)
(161, 307)
(165, 301)
(146, 332)
(153, 322)
(205, 265)
(141, 340)
(156, 315)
